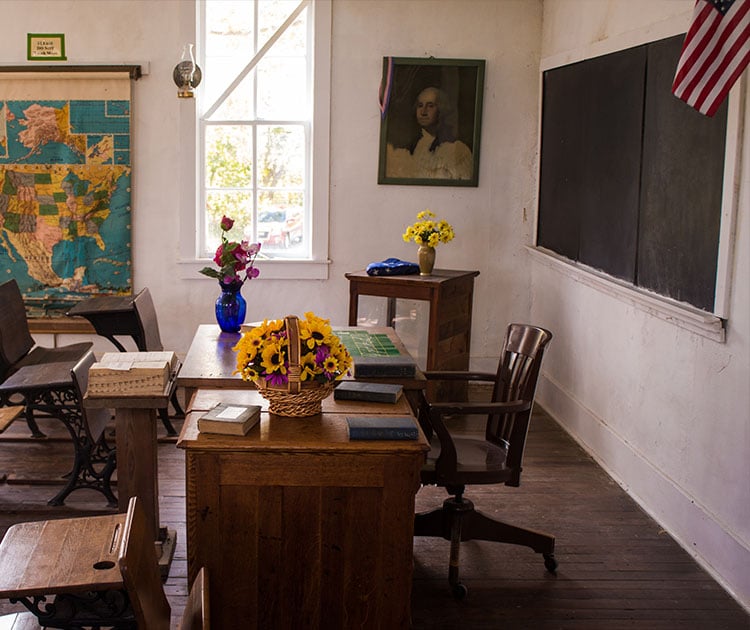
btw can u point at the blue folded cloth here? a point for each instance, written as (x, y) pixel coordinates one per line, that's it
(392, 267)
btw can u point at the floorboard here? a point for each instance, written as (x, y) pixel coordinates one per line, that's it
(617, 568)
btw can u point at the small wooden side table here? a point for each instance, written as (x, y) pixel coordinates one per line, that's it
(450, 294)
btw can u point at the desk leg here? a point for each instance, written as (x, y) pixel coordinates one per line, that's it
(138, 475)
(390, 314)
(137, 471)
(353, 304)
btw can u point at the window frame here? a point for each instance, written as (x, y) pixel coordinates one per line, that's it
(192, 158)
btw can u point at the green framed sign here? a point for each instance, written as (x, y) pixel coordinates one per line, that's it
(45, 47)
(431, 121)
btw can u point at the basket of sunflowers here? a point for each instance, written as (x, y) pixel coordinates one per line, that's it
(293, 362)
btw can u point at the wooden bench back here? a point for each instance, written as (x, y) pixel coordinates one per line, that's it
(147, 321)
(196, 614)
(140, 571)
(95, 420)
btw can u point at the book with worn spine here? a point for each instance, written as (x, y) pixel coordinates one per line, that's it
(370, 392)
(229, 419)
(382, 428)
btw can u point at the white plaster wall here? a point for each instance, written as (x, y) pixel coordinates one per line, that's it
(665, 411)
(493, 222)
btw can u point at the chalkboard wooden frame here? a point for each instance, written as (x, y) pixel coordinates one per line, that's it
(568, 198)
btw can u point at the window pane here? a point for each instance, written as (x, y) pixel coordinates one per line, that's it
(271, 15)
(229, 156)
(281, 222)
(228, 45)
(285, 99)
(237, 205)
(281, 156)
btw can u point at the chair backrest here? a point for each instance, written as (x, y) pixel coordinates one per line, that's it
(95, 420)
(15, 339)
(516, 379)
(140, 571)
(196, 614)
(147, 322)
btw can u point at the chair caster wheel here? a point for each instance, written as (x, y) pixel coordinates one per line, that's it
(459, 591)
(550, 563)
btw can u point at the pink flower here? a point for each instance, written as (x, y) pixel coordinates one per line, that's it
(226, 223)
(218, 254)
(252, 249)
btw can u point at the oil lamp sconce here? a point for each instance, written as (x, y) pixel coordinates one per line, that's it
(187, 75)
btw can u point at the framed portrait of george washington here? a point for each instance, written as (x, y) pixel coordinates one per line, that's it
(431, 121)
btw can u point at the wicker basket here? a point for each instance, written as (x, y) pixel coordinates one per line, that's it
(296, 399)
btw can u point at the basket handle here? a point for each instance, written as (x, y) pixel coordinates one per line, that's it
(291, 322)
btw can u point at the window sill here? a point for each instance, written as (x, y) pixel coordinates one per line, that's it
(269, 269)
(680, 314)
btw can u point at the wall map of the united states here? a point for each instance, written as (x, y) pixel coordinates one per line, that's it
(65, 200)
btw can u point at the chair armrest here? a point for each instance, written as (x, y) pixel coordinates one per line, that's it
(447, 460)
(513, 406)
(458, 375)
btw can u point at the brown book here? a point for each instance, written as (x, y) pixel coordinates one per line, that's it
(131, 373)
(229, 419)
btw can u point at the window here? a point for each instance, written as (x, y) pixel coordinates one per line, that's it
(262, 113)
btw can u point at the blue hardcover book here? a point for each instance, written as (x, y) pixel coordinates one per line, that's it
(382, 428)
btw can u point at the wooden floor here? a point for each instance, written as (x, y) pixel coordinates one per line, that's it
(618, 568)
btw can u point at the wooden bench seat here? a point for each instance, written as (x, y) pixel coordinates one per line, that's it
(7, 416)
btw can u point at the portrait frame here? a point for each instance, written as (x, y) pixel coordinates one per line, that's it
(409, 156)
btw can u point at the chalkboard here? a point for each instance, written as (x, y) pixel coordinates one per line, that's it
(631, 177)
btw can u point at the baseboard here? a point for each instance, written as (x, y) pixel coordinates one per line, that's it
(694, 528)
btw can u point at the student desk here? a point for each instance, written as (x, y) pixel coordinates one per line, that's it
(72, 562)
(450, 294)
(298, 526)
(137, 462)
(112, 315)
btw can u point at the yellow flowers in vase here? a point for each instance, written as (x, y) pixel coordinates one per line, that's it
(429, 231)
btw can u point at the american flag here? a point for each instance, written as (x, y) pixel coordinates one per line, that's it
(715, 52)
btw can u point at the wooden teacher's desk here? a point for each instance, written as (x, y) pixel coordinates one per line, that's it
(450, 294)
(211, 362)
(298, 526)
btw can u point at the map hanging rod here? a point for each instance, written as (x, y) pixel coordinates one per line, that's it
(134, 70)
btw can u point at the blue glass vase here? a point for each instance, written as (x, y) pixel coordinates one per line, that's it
(230, 307)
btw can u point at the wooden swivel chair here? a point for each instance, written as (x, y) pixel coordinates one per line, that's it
(17, 350)
(455, 462)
